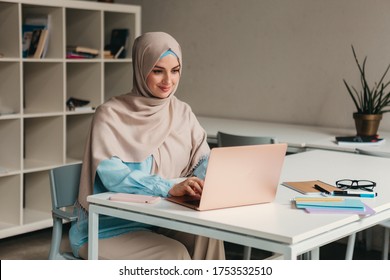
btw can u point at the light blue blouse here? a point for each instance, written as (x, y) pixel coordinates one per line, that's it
(114, 175)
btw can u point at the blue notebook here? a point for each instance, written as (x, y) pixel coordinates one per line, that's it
(336, 210)
(349, 203)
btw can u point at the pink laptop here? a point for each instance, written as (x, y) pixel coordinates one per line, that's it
(238, 176)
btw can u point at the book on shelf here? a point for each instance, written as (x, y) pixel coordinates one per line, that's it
(82, 49)
(42, 19)
(31, 24)
(119, 52)
(81, 52)
(107, 54)
(359, 140)
(307, 187)
(77, 55)
(34, 42)
(119, 42)
(27, 37)
(38, 43)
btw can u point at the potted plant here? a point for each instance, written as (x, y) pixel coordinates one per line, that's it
(370, 102)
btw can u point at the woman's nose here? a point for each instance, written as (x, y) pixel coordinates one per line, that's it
(167, 79)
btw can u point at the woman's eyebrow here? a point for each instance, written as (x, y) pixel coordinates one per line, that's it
(160, 67)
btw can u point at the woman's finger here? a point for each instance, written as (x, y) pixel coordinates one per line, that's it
(196, 185)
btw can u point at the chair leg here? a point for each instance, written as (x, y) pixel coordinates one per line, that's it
(247, 253)
(56, 237)
(386, 244)
(350, 247)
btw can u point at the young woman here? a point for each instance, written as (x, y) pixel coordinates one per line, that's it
(145, 142)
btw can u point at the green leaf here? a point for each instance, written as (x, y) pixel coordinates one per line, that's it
(369, 100)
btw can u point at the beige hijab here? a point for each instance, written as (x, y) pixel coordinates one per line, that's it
(136, 125)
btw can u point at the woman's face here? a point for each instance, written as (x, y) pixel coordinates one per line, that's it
(164, 76)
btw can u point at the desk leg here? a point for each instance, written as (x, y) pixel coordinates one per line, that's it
(291, 254)
(350, 246)
(93, 233)
(315, 254)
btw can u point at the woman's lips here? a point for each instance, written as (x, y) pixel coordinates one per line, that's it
(165, 89)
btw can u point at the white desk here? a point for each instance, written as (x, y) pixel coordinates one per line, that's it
(276, 226)
(296, 136)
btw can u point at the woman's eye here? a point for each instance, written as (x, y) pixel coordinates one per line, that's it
(175, 71)
(157, 71)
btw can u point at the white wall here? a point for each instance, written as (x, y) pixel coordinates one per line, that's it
(276, 60)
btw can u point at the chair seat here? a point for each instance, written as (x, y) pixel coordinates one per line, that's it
(64, 215)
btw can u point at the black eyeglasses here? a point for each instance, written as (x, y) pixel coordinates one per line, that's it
(366, 185)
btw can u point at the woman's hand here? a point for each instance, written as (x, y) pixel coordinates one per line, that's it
(191, 186)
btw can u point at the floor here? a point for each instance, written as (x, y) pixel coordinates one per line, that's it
(36, 246)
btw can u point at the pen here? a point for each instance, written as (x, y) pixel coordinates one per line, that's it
(321, 189)
(345, 193)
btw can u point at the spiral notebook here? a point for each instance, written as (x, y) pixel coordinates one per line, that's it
(238, 176)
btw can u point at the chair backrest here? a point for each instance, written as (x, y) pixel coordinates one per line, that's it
(64, 187)
(226, 140)
(64, 184)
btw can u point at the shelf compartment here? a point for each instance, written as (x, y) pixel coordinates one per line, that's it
(10, 146)
(44, 142)
(115, 20)
(10, 201)
(77, 128)
(118, 79)
(9, 30)
(10, 99)
(43, 87)
(55, 15)
(84, 82)
(36, 197)
(37, 131)
(81, 28)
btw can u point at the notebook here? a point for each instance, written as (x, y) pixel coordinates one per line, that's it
(238, 176)
(307, 187)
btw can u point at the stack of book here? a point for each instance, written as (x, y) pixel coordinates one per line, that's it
(81, 52)
(35, 34)
(318, 204)
(359, 140)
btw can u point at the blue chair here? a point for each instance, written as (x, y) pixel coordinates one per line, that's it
(64, 187)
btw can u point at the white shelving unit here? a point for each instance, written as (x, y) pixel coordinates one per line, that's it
(37, 130)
